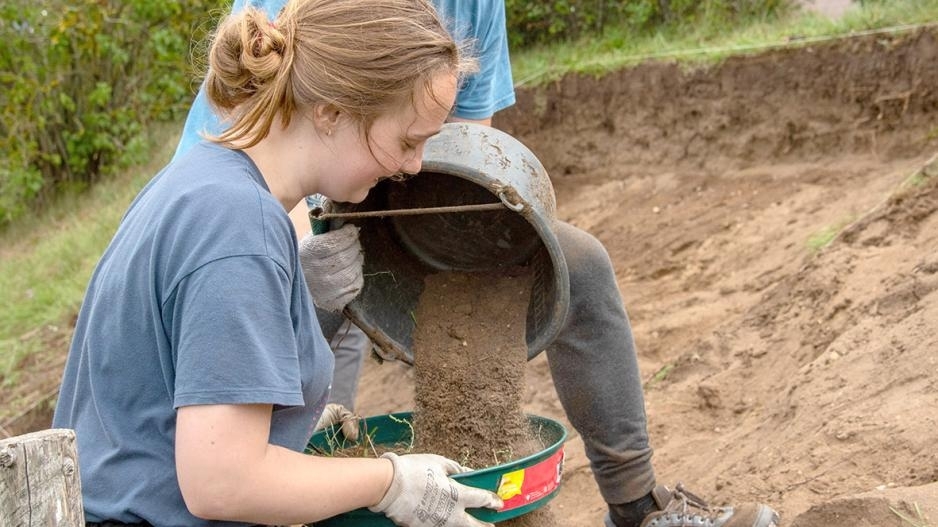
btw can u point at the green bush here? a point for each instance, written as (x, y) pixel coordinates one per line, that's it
(79, 82)
(539, 21)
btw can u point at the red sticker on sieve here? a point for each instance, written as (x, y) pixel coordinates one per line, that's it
(528, 485)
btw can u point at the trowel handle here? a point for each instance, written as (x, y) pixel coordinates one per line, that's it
(319, 226)
(315, 204)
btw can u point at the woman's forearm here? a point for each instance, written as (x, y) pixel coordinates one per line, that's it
(228, 471)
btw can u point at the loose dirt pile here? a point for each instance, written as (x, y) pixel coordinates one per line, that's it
(775, 238)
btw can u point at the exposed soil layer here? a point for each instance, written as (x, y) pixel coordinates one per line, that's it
(772, 222)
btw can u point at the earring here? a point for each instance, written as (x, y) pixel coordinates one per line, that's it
(329, 132)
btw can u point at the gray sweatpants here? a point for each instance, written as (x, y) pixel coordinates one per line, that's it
(592, 362)
(350, 346)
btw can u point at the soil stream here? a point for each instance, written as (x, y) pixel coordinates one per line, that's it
(470, 358)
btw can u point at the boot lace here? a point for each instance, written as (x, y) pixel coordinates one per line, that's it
(685, 510)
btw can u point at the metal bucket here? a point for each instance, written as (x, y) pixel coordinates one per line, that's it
(464, 165)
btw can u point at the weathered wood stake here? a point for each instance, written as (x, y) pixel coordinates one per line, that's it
(39, 481)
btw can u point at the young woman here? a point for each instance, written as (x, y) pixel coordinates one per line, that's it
(197, 368)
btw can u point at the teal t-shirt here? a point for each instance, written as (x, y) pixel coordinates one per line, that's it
(198, 299)
(482, 22)
(480, 95)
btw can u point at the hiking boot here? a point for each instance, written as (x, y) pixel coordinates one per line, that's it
(680, 508)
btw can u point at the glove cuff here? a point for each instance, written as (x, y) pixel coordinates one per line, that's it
(394, 490)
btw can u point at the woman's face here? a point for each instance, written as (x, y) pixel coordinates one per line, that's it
(394, 144)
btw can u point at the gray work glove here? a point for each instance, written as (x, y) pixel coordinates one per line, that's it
(423, 495)
(332, 264)
(336, 414)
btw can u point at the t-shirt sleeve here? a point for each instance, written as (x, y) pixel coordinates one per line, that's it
(490, 89)
(232, 335)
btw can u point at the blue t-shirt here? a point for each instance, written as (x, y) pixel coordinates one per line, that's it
(198, 299)
(480, 95)
(483, 23)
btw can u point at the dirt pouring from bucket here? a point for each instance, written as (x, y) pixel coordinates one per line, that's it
(469, 366)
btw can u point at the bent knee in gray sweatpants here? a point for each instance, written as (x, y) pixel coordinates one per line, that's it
(595, 371)
(350, 346)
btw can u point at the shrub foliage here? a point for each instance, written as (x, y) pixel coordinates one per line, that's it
(540, 21)
(79, 82)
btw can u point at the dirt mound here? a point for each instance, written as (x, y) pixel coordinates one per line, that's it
(775, 239)
(902, 507)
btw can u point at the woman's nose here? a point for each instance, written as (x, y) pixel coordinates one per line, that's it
(413, 164)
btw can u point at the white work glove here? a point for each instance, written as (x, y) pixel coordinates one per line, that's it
(423, 495)
(332, 264)
(336, 414)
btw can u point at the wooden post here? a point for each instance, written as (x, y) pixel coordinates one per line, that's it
(39, 481)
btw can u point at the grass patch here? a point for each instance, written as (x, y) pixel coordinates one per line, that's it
(825, 236)
(660, 375)
(918, 179)
(47, 260)
(922, 176)
(908, 186)
(14, 351)
(704, 43)
(919, 519)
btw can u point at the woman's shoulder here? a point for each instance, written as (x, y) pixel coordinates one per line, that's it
(214, 193)
(216, 176)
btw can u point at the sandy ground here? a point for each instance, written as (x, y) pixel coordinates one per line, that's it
(778, 368)
(795, 373)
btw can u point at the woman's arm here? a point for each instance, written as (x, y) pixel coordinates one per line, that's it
(228, 470)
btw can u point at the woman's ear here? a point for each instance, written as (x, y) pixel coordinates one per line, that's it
(326, 117)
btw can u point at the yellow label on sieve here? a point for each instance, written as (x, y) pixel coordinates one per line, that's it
(510, 484)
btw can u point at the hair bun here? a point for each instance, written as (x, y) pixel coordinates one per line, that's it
(263, 46)
(249, 51)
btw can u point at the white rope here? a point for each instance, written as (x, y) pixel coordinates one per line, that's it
(789, 43)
